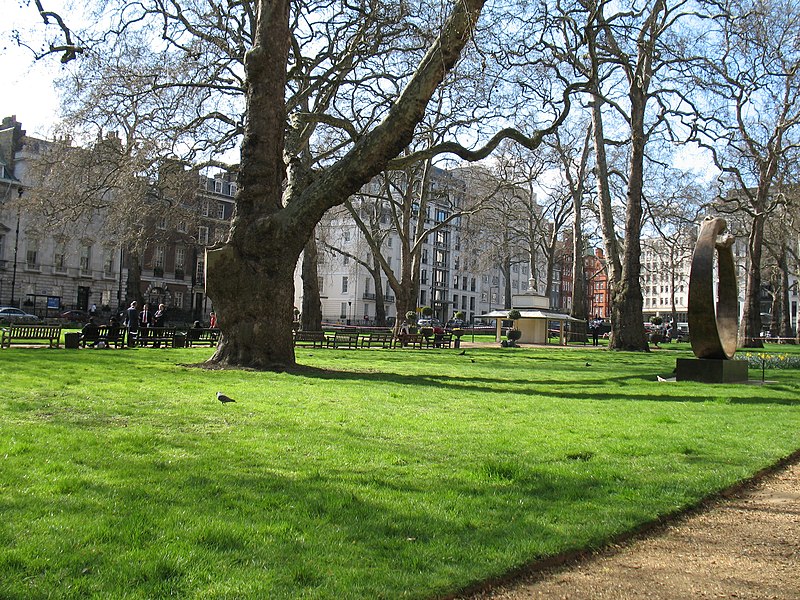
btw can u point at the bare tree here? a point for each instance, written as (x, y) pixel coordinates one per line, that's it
(634, 49)
(752, 126)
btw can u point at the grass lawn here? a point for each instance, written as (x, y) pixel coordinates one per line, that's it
(370, 474)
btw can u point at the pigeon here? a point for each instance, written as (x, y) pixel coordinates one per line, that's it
(588, 364)
(462, 353)
(223, 398)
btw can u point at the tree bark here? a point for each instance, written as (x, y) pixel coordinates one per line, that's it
(311, 315)
(750, 327)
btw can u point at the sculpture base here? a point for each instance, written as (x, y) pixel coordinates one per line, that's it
(711, 370)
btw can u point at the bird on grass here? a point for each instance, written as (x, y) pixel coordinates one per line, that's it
(462, 353)
(223, 398)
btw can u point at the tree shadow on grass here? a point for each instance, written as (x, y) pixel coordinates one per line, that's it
(556, 388)
(301, 533)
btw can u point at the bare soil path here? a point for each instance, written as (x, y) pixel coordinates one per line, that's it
(743, 545)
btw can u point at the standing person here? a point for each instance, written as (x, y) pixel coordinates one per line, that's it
(93, 310)
(145, 322)
(132, 323)
(212, 320)
(594, 326)
(159, 317)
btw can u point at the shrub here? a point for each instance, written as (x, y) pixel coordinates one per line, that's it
(514, 314)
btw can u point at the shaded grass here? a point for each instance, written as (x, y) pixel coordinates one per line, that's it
(367, 474)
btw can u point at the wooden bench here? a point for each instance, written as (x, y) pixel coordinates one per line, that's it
(343, 338)
(384, 340)
(440, 340)
(315, 339)
(202, 337)
(155, 336)
(22, 334)
(107, 335)
(413, 340)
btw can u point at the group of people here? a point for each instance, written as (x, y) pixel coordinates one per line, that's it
(140, 322)
(90, 333)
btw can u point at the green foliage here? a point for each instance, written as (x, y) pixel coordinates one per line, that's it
(514, 314)
(656, 320)
(366, 474)
(427, 311)
(460, 314)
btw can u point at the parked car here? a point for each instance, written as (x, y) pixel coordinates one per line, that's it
(78, 316)
(10, 314)
(435, 323)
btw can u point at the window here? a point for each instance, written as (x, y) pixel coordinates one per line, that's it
(177, 299)
(59, 259)
(202, 235)
(200, 273)
(220, 210)
(345, 282)
(343, 311)
(180, 258)
(472, 304)
(463, 283)
(455, 282)
(455, 300)
(182, 227)
(472, 285)
(424, 276)
(424, 256)
(86, 255)
(366, 312)
(345, 259)
(422, 298)
(219, 235)
(161, 223)
(217, 186)
(389, 241)
(108, 261)
(320, 282)
(158, 257)
(205, 208)
(32, 255)
(346, 235)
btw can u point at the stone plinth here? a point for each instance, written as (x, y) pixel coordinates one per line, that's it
(711, 370)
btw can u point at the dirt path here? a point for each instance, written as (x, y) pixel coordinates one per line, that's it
(744, 546)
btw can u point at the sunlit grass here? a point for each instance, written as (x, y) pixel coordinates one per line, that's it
(368, 474)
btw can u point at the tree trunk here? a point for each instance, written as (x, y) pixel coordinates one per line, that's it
(133, 283)
(750, 327)
(785, 330)
(626, 308)
(311, 315)
(255, 300)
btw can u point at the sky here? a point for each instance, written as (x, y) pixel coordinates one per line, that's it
(27, 85)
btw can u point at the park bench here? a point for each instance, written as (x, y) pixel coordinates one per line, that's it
(107, 335)
(315, 339)
(384, 340)
(343, 338)
(202, 337)
(440, 340)
(156, 336)
(24, 334)
(412, 340)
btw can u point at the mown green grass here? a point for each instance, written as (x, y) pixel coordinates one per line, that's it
(369, 474)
